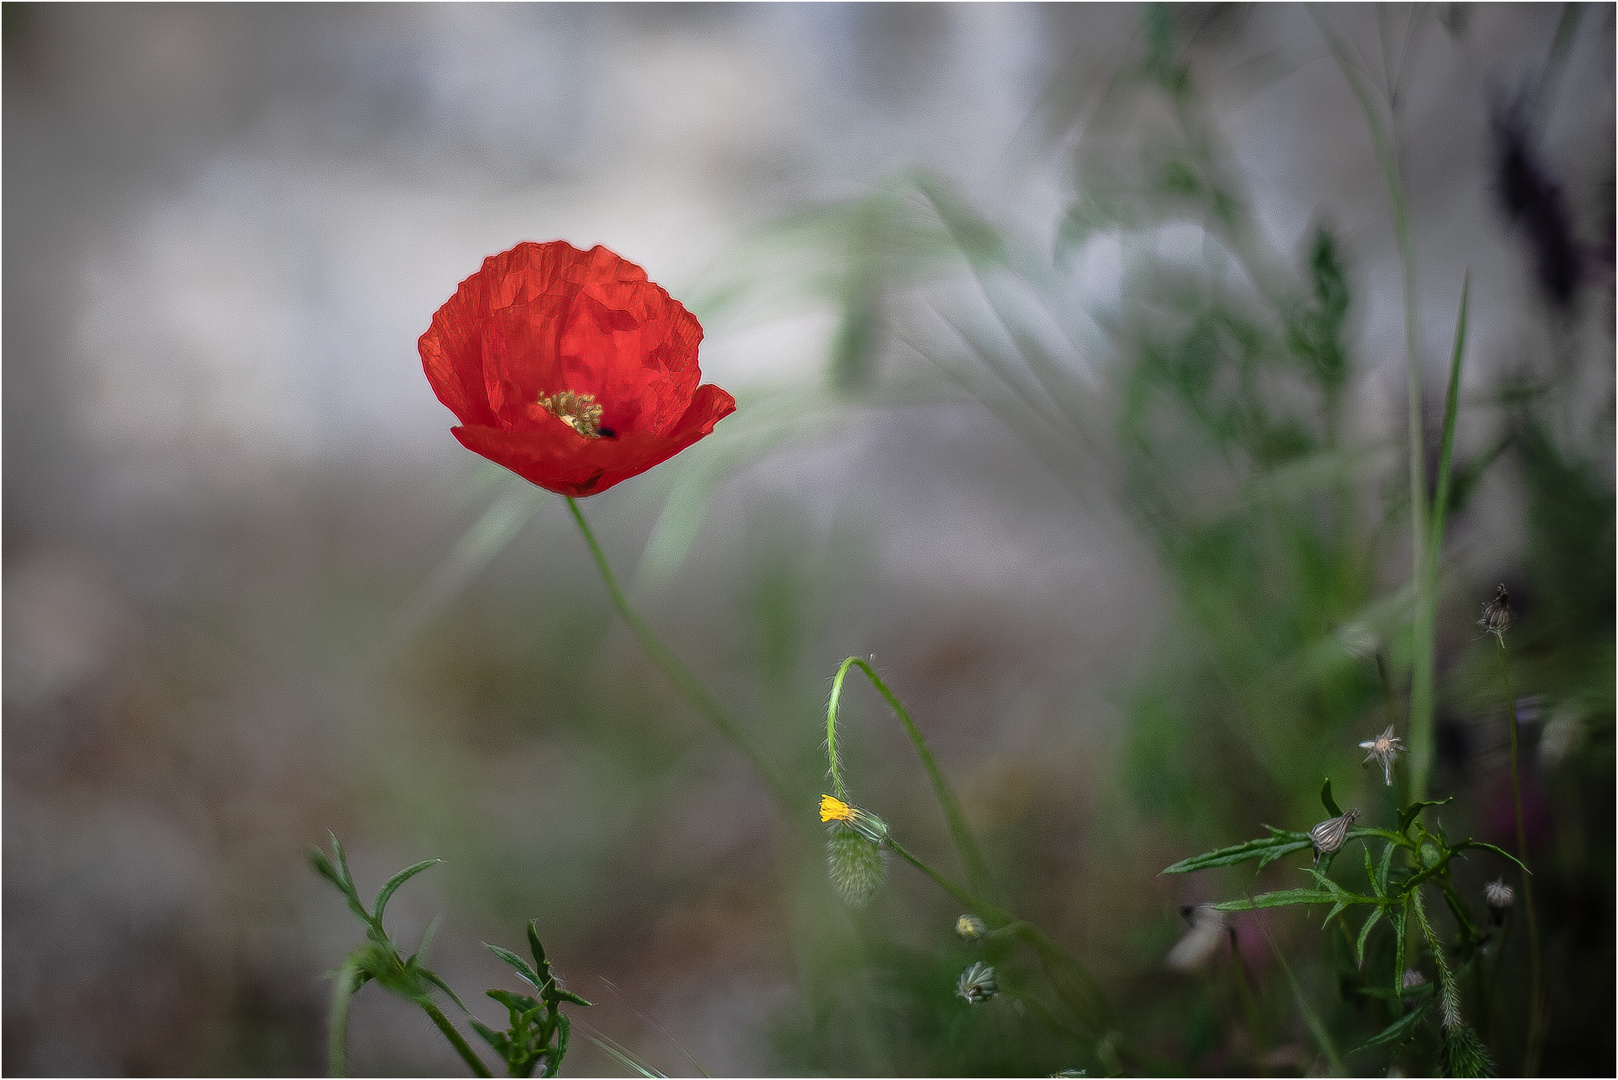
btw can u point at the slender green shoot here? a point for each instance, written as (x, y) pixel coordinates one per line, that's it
(342, 993)
(1316, 1027)
(1425, 616)
(456, 1040)
(679, 675)
(1536, 1018)
(971, 858)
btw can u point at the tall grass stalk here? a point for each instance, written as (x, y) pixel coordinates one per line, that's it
(1424, 619)
(1536, 1026)
(680, 676)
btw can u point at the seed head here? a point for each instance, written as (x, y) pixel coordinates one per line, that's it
(1357, 640)
(1497, 614)
(1207, 930)
(970, 927)
(977, 984)
(1329, 835)
(1499, 896)
(1383, 749)
(1412, 979)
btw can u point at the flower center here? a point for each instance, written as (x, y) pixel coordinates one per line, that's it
(581, 412)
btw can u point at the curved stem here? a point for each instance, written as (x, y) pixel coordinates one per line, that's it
(677, 673)
(971, 858)
(1536, 1030)
(471, 1059)
(337, 1038)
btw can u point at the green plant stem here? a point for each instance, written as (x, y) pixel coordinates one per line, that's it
(678, 674)
(337, 1037)
(1536, 1032)
(472, 1061)
(1424, 568)
(1312, 1019)
(971, 858)
(1006, 923)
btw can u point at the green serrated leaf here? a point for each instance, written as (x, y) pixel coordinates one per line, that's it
(1370, 871)
(529, 975)
(1408, 814)
(520, 1004)
(394, 882)
(1267, 850)
(1399, 916)
(1332, 809)
(1481, 845)
(567, 995)
(1382, 870)
(564, 1031)
(1336, 910)
(345, 878)
(534, 946)
(1395, 1033)
(1365, 932)
(494, 1038)
(322, 864)
(1280, 898)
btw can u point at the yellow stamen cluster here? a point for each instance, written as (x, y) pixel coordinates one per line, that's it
(835, 809)
(581, 412)
(863, 822)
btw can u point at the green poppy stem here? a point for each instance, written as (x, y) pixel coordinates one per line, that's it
(679, 675)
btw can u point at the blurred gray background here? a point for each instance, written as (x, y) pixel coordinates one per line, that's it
(241, 602)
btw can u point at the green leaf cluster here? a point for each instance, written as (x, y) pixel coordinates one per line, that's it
(537, 1035)
(538, 1032)
(1391, 888)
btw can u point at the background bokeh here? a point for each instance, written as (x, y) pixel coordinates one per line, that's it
(952, 260)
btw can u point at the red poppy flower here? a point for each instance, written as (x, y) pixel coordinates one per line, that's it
(569, 368)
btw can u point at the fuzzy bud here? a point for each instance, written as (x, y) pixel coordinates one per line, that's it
(856, 865)
(970, 927)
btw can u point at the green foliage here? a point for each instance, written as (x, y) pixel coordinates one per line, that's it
(537, 1034)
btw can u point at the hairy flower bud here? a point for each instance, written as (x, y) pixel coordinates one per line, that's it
(856, 865)
(970, 927)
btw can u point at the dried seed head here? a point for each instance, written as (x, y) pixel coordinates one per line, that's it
(970, 927)
(977, 984)
(1329, 835)
(1382, 750)
(1499, 896)
(1357, 640)
(856, 865)
(1497, 614)
(1412, 979)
